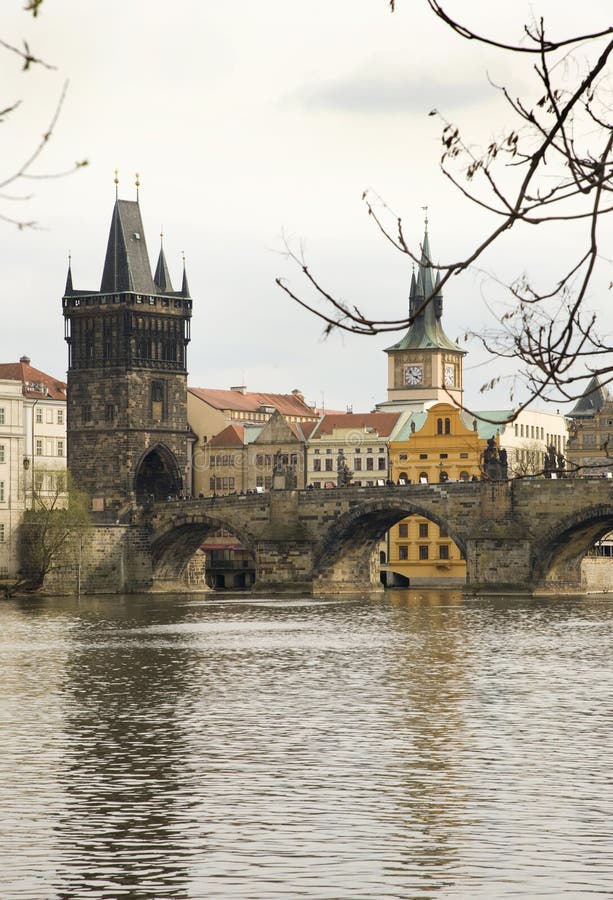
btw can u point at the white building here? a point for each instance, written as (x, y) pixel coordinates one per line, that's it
(32, 447)
(362, 439)
(526, 438)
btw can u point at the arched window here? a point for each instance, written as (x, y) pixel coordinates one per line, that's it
(439, 426)
(382, 558)
(464, 476)
(403, 478)
(447, 426)
(423, 478)
(443, 477)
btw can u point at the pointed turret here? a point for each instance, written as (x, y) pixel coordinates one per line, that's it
(185, 286)
(426, 330)
(592, 400)
(127, 267)
(68, 290)
(162, 275)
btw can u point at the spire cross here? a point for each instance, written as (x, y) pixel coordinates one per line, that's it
(161, 235)
(425, 208)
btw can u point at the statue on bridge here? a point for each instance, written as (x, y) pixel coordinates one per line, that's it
(343, 472)
(495, 463)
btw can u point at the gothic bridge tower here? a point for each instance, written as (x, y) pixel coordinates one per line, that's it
(128, 437)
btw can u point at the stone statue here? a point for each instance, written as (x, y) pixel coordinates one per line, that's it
(343, 472)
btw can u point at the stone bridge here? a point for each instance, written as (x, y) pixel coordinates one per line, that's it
(528, 535)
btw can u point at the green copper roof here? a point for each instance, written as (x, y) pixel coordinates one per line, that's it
(426, 331)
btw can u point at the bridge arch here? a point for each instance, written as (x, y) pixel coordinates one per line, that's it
(346, 550)
(178, 536)
(157, 475)
(558, 552)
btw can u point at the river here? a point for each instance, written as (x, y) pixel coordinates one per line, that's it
(416, 744)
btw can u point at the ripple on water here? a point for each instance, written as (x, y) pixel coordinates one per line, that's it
(414, 745)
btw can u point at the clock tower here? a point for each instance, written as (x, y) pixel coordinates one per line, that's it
(425, 365)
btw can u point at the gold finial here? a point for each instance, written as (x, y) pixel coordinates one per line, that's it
(137, 185)
(116, 183)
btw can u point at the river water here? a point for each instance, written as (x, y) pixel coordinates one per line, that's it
(407, 745)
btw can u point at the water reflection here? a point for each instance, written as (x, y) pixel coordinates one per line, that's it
(418, 744)
(125, 828)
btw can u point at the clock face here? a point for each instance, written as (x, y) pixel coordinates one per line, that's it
(414, 374)
(449, 376)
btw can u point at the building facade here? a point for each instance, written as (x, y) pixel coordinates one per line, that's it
(225, 423)
(354, 443)
(590, 444)
(128, 438)
(32, 449)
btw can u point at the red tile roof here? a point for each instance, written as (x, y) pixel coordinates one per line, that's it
(34, 382)
(381, 423)
(232, 436)
(251, 401)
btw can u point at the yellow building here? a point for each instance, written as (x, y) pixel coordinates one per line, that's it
(438, 445)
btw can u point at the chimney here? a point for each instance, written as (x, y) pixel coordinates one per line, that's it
(241, 388)
(298, 395)
(24, 359)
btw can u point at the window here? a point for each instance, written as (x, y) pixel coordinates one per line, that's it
(423, 529)
(381, 449)
(443, 455)
(1, 532)
(447, 426)
(268, 482)
(109, 413)
(329, 465)
(370, 463)
(328, 450)
(463, 455)
(439, 426)
(294, 459)
(60, 448)
(442, 530)
(86, 412)
(211, 484)
(1, 492)
(443, 551)
(49, 415)
(403, 530)
(423, 456)
(158, 405)
(259, 459)
(423, 478)
(463, 476)
(382, 464)
(317, 465)
(369, 449)
(60, 417)
(39, 415)
(1, 453)
(39, 447)
(357, 464)
(443, 477)
(317, 451)
(423, 551)
(403, 456)
(516, 430)
(2, 422)
(403, 551)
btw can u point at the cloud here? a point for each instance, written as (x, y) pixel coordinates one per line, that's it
(391, 92)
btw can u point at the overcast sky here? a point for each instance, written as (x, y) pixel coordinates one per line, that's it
(246, 121)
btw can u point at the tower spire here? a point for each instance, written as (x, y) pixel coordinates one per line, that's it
(162, 275)
(69, 289)
(184, 285)
(116, 184)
